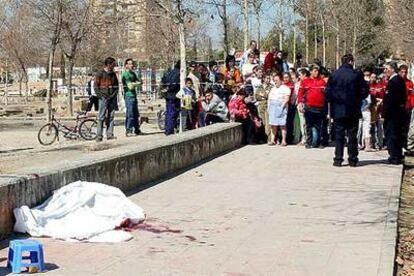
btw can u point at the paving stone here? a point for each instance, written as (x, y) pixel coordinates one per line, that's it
(256, 211)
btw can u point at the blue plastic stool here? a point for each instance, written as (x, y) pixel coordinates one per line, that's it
(16, 260)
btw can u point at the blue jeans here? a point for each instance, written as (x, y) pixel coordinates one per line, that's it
(314, 120)
(132, 115)
(106, 114)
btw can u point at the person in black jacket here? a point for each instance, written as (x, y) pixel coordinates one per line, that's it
(394, 112)
(106, 87)
(172, 83)
(345, 91)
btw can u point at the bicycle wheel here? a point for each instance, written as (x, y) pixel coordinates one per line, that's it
(87, 129)
(47, 134)
(161, 119)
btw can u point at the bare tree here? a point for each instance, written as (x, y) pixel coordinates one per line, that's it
(178, 12)
(221, 8)
(257, 8)
(50, 15)
(78, 20)
(19, 42)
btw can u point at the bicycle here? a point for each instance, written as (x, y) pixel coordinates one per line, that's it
(85, 128)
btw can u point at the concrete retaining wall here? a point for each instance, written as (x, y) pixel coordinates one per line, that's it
(125, 171)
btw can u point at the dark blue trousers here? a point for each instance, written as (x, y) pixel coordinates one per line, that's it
(172, 112)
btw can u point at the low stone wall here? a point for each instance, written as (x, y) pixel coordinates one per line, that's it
(125, 171)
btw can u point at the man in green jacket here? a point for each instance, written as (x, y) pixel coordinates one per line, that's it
(130, 82)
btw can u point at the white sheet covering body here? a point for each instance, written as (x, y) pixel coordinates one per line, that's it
(84, 211)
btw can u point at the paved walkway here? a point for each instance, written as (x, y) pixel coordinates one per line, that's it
(256, 211)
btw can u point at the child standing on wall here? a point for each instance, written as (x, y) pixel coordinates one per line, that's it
(188, 100)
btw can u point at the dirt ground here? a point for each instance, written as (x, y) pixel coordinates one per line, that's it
(405, 251)
(19, 146)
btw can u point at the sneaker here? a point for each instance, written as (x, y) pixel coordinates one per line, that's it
(98, 139)
(129, 134)
(308, 147)
(337, 164)
(138, 132)
(321, 146)
(111, 138)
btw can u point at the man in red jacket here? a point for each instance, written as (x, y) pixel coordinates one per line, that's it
(403, 71)
(311, 99)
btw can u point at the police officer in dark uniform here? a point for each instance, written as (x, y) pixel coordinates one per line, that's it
(172, 104)
(395, 99)
(345, 91)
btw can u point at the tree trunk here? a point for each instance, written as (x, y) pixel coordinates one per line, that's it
(225, 29)
(259, 27)
(26, 87)
(354, 38)
(47, 67)
(49, 91)
(345, 46)
(323, 41)
(63, 68)
(337, 49)
(70, 91)
(6, 92)
(316, 42)
(246, 24)
(183, 65)
(280, 39)
(20, 85)
(183, 73)
(294, 44)
(307, 37)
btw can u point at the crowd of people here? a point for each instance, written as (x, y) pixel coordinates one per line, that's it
(276, 103)
(307, 105)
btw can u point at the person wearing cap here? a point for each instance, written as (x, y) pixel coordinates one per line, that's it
(193, 75)
(345, 91)
(395, 99)
(311, 99)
